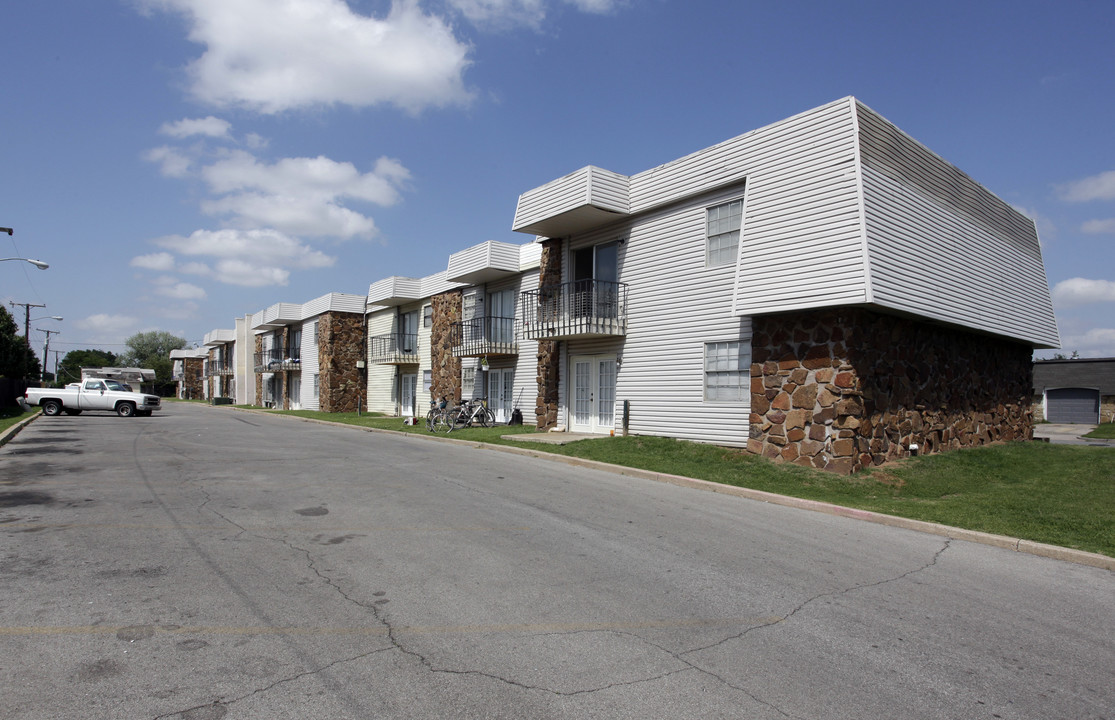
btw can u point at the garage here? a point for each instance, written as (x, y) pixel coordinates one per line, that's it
(1072, 405)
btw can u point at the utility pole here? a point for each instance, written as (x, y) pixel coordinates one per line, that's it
(56, 354)
(26, 319)
(46, 348)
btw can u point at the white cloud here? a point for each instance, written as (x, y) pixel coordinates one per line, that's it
(301, 196)
(196, 268)
(250, 258)
(1096, 187)
(161, 261)
(1081, 291)
(270, 57)
(502, 13)
(599, 7)
(1099, 227)
(251, 274)
(1096, 342)
(178, 311)
(171, 162)
(505, 14)
(170, 287)
(104, 323)
(208, 126)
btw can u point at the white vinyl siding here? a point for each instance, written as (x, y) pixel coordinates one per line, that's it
(801, 245)
(583, 198)
(675, 304)
(524, 392)
(311, 362)
(381, 377)
(943, 247)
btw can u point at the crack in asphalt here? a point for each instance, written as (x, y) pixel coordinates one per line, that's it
(428, 664)
(834, 593)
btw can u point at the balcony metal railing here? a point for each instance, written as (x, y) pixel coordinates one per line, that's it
(483, 336)
(219, 368)
(585, 308)
(394, 349)
(278, 359)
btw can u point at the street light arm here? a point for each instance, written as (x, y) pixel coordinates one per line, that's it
(37, 263)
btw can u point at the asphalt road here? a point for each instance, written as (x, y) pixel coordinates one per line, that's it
(208, 563)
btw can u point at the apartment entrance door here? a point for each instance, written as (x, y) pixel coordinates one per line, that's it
(593, 405)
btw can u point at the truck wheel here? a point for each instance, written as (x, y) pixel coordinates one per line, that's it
(52, 408)
(126, 409)
(73, 412)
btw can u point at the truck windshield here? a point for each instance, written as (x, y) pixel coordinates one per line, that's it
(113, 385)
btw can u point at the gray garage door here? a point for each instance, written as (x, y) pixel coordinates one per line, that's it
(1073, 405)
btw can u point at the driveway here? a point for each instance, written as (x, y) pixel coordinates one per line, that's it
(1068, 434)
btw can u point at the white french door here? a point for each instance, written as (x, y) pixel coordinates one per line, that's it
(408, 390)
(501, 388)
(593, 402)
(295, 391)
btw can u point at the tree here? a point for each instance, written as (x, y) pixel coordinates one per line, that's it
(152, 350)
(17, 359)
(69, 370)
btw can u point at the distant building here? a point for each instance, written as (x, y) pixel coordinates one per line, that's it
(136, 378)
(1075, 391)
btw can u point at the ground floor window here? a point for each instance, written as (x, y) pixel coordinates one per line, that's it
(726, 376)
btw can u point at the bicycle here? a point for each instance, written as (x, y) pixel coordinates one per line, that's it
(437, 420)
(471, 412)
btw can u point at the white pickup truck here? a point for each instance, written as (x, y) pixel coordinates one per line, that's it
(92, 394)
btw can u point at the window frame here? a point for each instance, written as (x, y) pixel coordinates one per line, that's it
(731, 228)
(717, 392)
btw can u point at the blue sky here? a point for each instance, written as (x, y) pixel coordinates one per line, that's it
(180, 163)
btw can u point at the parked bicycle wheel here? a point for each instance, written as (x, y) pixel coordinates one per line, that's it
(485, 418)
(458, 418)
(441, 421)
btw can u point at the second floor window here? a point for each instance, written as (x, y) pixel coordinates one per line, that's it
(722, 226)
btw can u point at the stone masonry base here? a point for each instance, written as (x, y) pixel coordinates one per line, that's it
(848, 388)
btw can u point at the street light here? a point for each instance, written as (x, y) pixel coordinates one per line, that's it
(37, 263)
(49, 317)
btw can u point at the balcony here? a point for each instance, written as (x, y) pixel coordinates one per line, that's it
(587, 308)
(483, 336)
(588, 198)
(394, 349)
(278, 359)
(219, 368)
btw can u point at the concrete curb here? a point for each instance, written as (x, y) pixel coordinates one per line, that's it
(11, 432)
(1021, 545)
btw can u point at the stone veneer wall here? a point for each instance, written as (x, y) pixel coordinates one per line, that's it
(213, 380)
(193, 378)
(847, 388)
(549, 357)
(445, 380)
(340, 346)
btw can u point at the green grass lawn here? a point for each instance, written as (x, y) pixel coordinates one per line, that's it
(1058, 494)
(11, 415)
(1106, 431)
